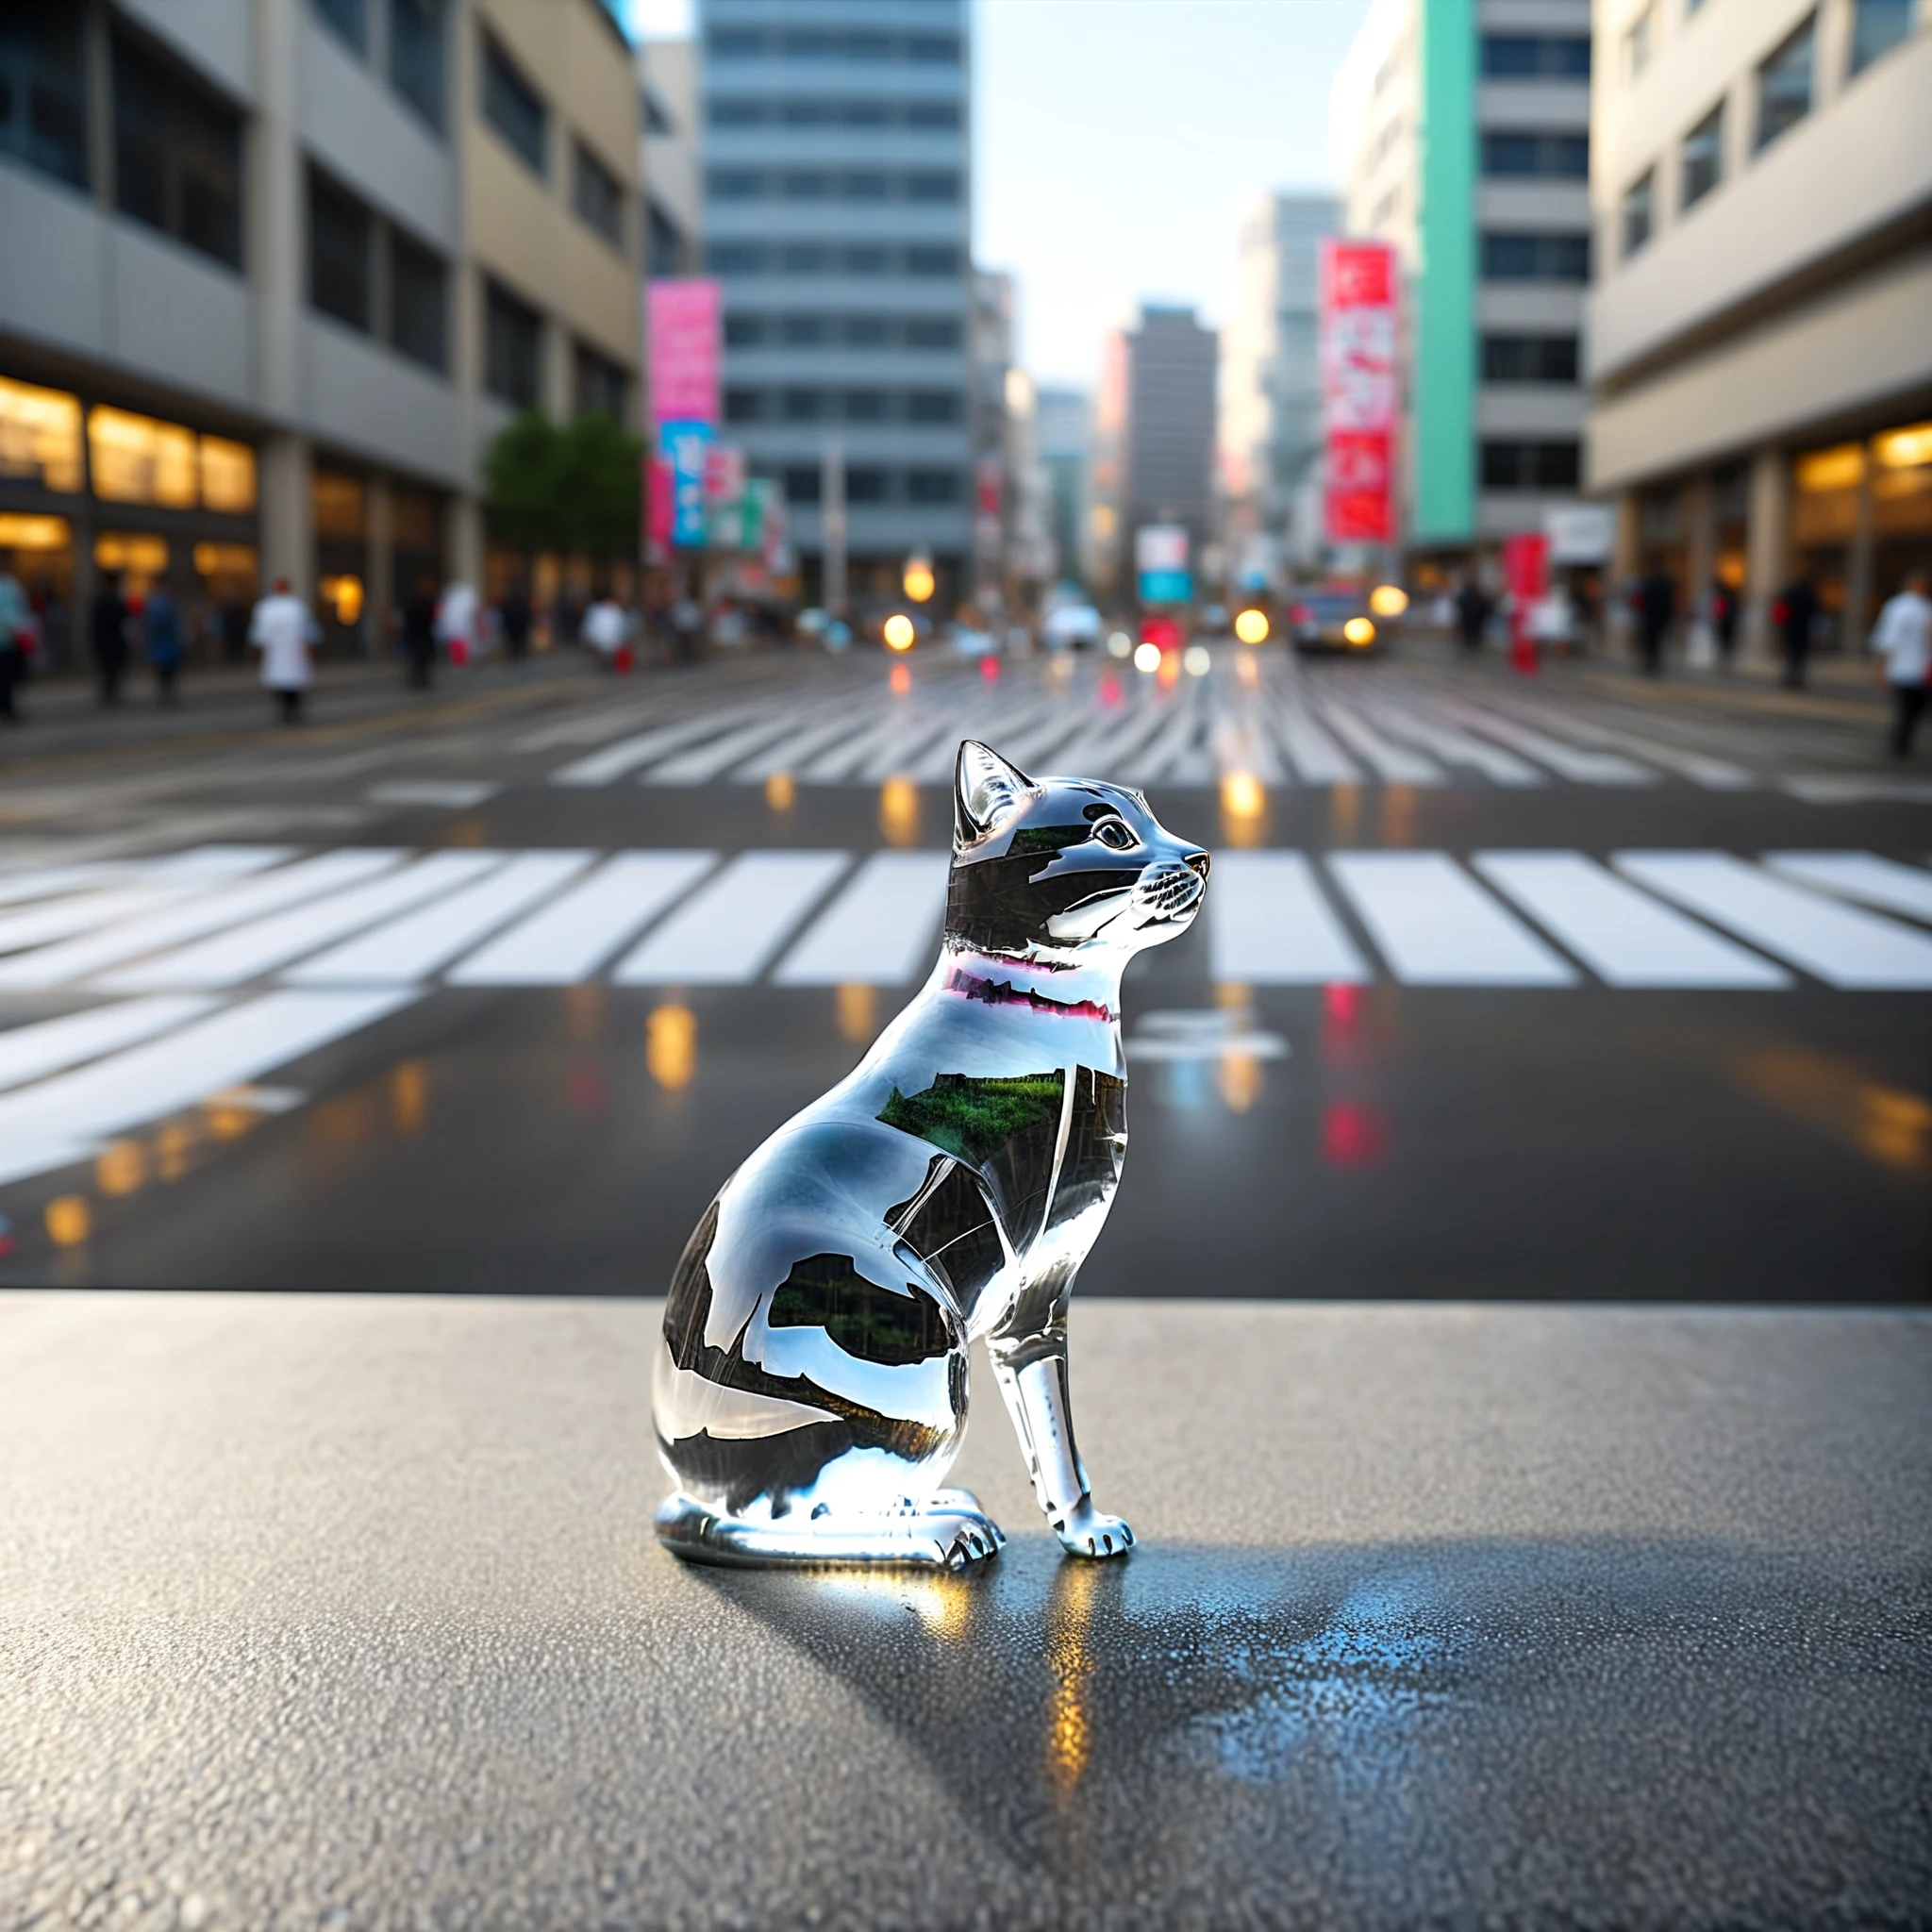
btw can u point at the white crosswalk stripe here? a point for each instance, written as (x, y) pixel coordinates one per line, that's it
(882, 929)
(26, 1052)
(1436, 927)
(728, 929)
(1861, 876)
(1268, 924)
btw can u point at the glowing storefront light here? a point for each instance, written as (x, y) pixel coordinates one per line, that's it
(34, 533)
(39, 435)
(137, 460)
(228, 476)
(671, 1047)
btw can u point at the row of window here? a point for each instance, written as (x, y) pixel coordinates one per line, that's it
(1535, 155)
(517, 111)
(756, 111)
(1515, 256)
(827, 184)
(513, 360)
(415, 30)
(367, 273)
(727, 43)
(1536, 57)
(831, 258)
(1529, 358)
(873, 484)
(919, 405)
(1530, 465)
(743, 331)
(1784, 88)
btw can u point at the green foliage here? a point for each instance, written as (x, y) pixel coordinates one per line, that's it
(566, 490)
(877, 1325)
(975, 1119)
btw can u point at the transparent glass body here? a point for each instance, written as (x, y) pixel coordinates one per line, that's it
(811, 1386)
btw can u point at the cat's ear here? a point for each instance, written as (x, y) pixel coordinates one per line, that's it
(986, 789)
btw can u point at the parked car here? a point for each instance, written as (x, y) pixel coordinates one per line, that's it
(1334, 618)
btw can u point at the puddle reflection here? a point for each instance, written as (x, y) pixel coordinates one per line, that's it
(671, 1047)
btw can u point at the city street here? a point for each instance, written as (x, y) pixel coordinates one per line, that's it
(1580, 987)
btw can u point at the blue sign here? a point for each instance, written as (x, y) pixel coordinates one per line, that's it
(1166, 586)
(684, 445)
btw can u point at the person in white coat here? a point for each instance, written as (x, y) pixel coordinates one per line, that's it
(456, 625)
(283, 631)
(1903, 640)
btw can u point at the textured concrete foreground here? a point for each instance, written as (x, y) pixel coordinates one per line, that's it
(342, 1613)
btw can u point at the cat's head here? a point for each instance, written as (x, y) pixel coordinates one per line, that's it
(1062, 869)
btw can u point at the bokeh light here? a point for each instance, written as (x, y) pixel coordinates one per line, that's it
(900, 633)
(1251, 627)
(1147, 657)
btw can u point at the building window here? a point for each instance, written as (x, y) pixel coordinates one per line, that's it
(932, 114)
(870, 331)
(801, 332)
(512, 347)
(1640, 39)
(1877, 27)
(805, 185)
(655, 115)
(347, 19)
(598, 198)
(137, 460)
(799, 405)
(808, 258)
(939, 50)
(866, 261)
(742, 406)
(865, 483)
(418, 303)
(1536, 258)
(177, 155)
(1529, 358)
(514, 108)
(1635, 213)
(1536, 57)
(932, 406)
(340, 242)
(666, 250)
(802, 483)
(933, 186)
(1703, 160)
(1542, 156)
(866, 405)
(932, 261)
(1545, 466)
(731, 257)
(743, 331)
(932, 485)
(734, 184)
(932, 332)
(1784, 84)
(40, 436)
(600, 385)
(416, 55)
(871, 185)
(43, 87)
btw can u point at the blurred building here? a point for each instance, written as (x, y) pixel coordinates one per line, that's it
(1155, 435)
(1010, 553)
(1761, 331)
(277, 270)
(1461, 129)
(838, 214)
(1270, 386)
(672, 173)
(1063, 417)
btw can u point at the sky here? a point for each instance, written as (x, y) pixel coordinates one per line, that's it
(1118, 143)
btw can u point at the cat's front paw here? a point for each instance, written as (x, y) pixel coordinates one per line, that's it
(1086, 1531)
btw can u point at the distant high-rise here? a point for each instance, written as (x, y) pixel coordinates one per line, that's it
(1461, 132)
(838, 214)
(1271, 381)
(1167, 443)
(671, 149)
(1065, 436)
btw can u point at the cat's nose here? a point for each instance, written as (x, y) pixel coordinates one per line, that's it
(1197, 862)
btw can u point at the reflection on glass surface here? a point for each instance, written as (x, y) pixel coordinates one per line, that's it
(1070, 1657)
(811, 1391)
(671, 1047)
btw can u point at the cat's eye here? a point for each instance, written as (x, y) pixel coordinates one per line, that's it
(1116, 833)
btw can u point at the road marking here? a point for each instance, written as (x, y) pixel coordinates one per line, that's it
(730, 927)
(59, 919)
(206, 912)
(450, 795)
(1839, 944)
(411, 947)
(1436, 927)
(1456, 747)
(1566, 761)
(1713, 774)
(1316, 758)
(1393, 763)
(246, 952)
(1849, 788)
(204, 865)
(881, 930)
(62, 1120)
(699, 767)
(1269, 923)
(569, 939)
(28, 1052)
(1861, 876)
(51, 881)
(1624, 936)
(618, 760)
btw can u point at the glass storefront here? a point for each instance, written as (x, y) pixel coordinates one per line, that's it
(1825, 488)
(1901, 508)
(340, 504)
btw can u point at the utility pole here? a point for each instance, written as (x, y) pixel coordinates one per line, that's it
(832, 522)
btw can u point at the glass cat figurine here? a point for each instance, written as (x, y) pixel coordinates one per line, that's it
(810, 1391)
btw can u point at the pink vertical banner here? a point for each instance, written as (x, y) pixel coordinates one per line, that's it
(659, 502)
(1359, 390)
(682, 329)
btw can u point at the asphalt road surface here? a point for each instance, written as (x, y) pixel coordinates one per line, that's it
(1568, 988)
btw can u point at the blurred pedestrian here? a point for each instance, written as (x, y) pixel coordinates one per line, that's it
(109, 635)
(607, 630)
(1472, 614)
(514, 615)
(283, 631)
(687, 627)
(1656, 607)
(161, 630)
(456, 623)
(1724, 622)
(419, 632)
(235, 613)
(16, 630)
(1902, 640)
(1794, 614)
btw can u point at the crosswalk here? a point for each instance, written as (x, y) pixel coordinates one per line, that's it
(1263, 715)
(208, 969)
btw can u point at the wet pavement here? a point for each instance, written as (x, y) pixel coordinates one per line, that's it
(1539, 1128)
(333, 1611)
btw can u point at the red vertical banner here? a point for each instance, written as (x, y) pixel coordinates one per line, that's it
(660, 489)
(1360, 390)
(1525, 570)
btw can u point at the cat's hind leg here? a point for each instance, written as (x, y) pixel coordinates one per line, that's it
(928, 1535)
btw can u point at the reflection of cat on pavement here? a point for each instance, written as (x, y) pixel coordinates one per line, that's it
(810, 1391)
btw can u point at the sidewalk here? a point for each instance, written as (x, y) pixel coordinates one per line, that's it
(345, 1611)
